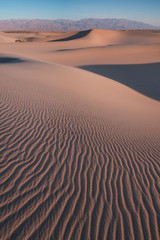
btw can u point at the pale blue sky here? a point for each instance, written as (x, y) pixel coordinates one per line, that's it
(142, 10)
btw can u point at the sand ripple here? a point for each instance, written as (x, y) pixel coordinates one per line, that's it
(66, 175)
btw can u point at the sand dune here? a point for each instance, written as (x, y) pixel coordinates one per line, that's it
(105, 37)
(93, 37)
(79, 148)
(33, 36)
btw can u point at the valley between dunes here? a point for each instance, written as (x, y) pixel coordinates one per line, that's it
(80, 135)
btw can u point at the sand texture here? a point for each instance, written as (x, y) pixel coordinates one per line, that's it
(80, 135)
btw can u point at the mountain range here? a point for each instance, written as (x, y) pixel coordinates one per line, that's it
(71, 25)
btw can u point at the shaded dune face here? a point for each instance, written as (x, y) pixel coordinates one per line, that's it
(143, 78)
(5, 60)
(69, 174)
(78, 35)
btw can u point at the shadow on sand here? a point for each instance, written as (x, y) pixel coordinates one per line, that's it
(5, 60)
(80, 34)
(144, 78)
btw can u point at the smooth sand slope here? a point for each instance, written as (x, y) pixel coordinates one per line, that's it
(80, 146)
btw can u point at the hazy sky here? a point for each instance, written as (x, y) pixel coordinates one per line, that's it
(143, 10)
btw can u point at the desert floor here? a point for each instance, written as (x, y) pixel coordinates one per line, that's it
(80, 135)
